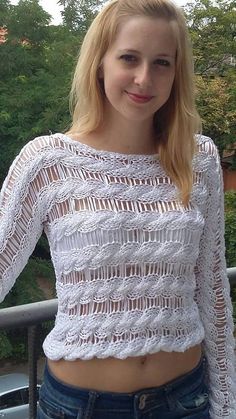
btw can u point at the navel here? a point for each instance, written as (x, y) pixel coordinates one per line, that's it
(143, 360)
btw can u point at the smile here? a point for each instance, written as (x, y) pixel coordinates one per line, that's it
(139, 98)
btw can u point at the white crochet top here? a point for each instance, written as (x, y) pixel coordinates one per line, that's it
(137, 272)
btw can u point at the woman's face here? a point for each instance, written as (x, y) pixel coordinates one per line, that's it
(138, 70)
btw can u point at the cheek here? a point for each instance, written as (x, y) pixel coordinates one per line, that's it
(166, 82)
(117, 82)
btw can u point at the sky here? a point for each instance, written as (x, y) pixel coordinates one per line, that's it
(53, 9)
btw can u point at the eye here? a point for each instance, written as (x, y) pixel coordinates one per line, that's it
(128, 58)
(162, 62)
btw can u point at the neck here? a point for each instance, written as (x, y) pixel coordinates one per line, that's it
(124, 136)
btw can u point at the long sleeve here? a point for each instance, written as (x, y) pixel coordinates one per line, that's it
(213, 296)
(22, 212)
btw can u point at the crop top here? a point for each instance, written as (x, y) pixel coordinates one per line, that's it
(136, 271)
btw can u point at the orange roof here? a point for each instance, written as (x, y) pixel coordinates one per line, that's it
(3, 33)
(3, 37)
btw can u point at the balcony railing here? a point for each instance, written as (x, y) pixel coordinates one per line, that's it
(31, 316)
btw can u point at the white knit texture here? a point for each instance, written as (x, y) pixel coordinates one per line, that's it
(137, 272)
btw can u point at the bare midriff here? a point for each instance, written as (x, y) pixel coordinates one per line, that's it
(127, 375)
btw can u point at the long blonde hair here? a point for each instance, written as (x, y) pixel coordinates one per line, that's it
(177, 122)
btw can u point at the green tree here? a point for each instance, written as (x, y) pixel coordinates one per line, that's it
(77, 15)
(5, 9)
(212, 26)
(29, 21)
(38, 75)
(21, 56)
(216, 107)
(230, 228)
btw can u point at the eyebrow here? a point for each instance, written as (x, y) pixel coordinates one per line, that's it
(134, 51)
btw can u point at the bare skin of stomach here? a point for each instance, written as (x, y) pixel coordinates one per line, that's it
(127, 375)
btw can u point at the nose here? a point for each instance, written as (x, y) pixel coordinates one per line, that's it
(143, 77)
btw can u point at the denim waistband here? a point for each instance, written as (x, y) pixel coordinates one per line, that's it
(181, 384)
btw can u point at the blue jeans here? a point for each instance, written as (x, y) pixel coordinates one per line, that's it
(185, 397)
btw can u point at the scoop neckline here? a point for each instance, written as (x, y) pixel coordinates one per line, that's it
(108, 152)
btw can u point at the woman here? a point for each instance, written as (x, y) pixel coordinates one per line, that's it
(131, 201)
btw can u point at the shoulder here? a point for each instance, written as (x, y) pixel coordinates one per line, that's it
(40, 150)
(34, 157)
(206, 146)
(207, 156)
(207, 162)
(43, 144)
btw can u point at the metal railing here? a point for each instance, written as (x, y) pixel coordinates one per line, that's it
(31, 316)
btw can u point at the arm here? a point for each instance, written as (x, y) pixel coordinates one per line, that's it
(213, 296)
(22, 212)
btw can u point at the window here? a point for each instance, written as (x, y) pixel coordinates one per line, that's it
(11, 399)
(25, 395)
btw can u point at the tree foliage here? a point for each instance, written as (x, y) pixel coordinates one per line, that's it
(77, 15)
(38, 75)
(230, 228)
(212, 26)
(217, 110)
(28, 21)
(230, 238)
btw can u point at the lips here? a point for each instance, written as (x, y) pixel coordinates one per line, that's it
(139, 98)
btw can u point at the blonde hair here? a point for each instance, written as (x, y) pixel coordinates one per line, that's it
(177, 122)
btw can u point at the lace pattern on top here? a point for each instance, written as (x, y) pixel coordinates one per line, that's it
(137, 272)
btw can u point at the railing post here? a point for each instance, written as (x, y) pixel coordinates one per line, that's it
(32, 362)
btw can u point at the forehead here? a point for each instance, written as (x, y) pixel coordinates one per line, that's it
(139, 32)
